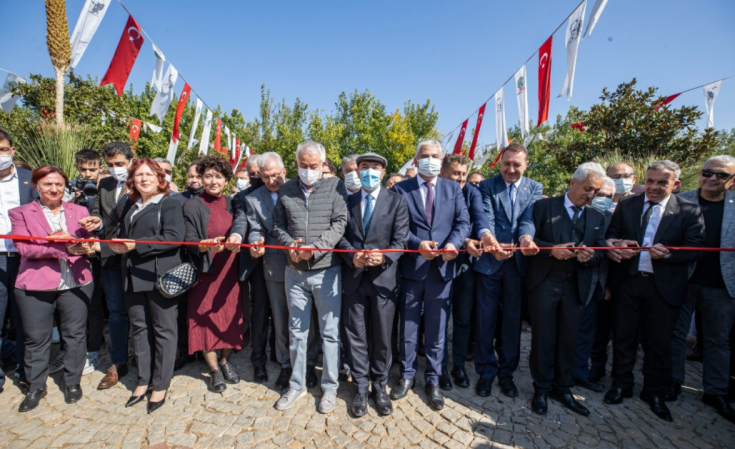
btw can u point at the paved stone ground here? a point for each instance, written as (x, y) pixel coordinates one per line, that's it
(244, 417)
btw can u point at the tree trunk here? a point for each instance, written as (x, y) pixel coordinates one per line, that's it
(60, 77)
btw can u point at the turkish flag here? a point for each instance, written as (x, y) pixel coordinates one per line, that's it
(125, 56)
(183, 100)
(135, 129)
(235, 156)
(579, 126)
(666, 101)
(480, 115)
(544, 81)
(218, 135)
(460, 138)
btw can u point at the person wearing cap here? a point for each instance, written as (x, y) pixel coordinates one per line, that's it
(378, 219)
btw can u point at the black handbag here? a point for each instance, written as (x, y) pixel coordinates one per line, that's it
(178, 279)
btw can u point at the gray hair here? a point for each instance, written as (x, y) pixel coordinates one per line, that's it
(347, 159)
(589, 170)
(608, 181)
(163, 159)
(666, 165)
(252, 160)
(312, 146)
(270, 156)
(722, 158)
(431, 142)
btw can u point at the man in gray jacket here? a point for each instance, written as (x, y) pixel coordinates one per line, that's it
(311, 213)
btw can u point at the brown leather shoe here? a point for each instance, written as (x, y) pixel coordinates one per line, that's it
(114, 373)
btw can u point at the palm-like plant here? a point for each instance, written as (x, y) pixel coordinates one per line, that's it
(59, 49)
(689, 172)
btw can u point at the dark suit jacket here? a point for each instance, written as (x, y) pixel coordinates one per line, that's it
(27, 193)
(388, 230)
(240, 226)
(547, 218)
(141, 262)
(478, 218)
(104, 208)
(196, 217)
(681, 224)
(451, 224)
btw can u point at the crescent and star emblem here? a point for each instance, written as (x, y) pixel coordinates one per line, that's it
(542, 61)
(131, 35)
(135, 129)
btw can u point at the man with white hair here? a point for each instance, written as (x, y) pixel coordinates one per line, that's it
(650, 286)
(311, 214)
(711, 287)
(560, 281)
(350, 174)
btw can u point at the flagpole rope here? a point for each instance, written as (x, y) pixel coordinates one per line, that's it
(695, 88)
(8, 71)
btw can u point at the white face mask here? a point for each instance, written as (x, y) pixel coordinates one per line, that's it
(309, 177)
(352, 181)
(623, 185)
(119, 173)
(242, 184)
(6, 160)
(430, 166)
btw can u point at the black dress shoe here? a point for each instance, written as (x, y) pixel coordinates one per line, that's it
(311, 379)
(134, 400)
(695, 356)
(217, 381)
(344, 375)
(617, 394)
(436, 400)
(508, 387)
(32, 399)
(597, 373)
(260, 374)
(382, 403)
(658, 406)
(359, 404)
(182, 360)
(284, 377)
(484, 387)
(568, 401)
(445, 382)
(229, 373)
(72, 393)
(540, 403)
(400, 390)
(589, 385)
(720, 404)
(674, 392)
(459, 374)
(153, 406)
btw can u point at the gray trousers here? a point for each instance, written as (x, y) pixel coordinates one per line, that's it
(323, 288)
(718, 315)
(37, 314)
(279, 314)
(153, 321)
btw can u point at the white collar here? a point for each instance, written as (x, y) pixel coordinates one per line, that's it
(517, 183)
(12, 176)
(423, 181)
(374, 193)
(568, 203)
(662, 203)
(155, 200)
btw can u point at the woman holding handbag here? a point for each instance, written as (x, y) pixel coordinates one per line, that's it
(215, 312)
(154, 217)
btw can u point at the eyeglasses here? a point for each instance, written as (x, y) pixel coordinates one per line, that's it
(721, 176)
(623, 176)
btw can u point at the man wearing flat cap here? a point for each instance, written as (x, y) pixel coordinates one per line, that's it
(378, 219)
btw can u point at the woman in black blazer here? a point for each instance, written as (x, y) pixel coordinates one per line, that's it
(154, 217)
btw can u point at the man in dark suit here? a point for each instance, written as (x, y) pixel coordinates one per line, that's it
(107, 214)
(194, 185)
(559, 282)
(378, 220)
(650, 286)
(508, 200)
(15, 190)
(438, 221)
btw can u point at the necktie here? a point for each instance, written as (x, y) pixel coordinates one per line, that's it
(368, 214)
(121, 200)
(511, 196)
(647, 217)
(576, 215)
(429, 205)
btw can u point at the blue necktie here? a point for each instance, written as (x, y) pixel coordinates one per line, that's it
(368, 213)
(511, 195)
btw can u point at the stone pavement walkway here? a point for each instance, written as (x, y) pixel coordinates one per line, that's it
(244, 417)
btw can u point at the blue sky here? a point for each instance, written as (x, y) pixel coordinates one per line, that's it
(455, 53)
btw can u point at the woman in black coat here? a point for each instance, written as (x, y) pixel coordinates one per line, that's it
(154, 217)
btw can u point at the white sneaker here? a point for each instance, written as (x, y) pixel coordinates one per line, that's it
(57, 364)
(289, 398)
(328, 402)
(91, 364)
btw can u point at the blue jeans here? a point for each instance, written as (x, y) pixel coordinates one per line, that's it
(118, 320)
(323, 288)
(8, 273)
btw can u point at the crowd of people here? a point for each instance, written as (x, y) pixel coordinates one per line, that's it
(412, 252)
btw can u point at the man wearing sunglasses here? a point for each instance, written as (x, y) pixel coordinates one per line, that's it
(711, 287)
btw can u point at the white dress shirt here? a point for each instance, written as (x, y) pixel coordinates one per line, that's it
(515, 191)
(363, 203)
(644, 262)
(9, 198)
(119, 187)
(569, 206)
(425, 190)
(57, 222)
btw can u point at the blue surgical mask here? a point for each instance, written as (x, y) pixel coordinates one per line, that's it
(601, 203)
(370, 178)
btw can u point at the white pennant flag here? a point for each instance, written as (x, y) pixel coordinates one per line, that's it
(204, 141)
(153, 128)
(447, 143)
(229, 138)
(7, 100)
(197, 115)
(171, 155)
(522, 97)
(406, 166)
(87, 23)
(595, 16)
(501, 130)
(573, 36)
(243, 148)
(164, 96)
(157, 79)
(710, 95)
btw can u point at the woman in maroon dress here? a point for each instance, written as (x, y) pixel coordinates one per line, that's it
(215, 313)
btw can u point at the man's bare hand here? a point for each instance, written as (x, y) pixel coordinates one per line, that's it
(360, 259)
(585, 254)
(562, 251)
(258, 251)
(489, 243)
(294, 253)
(425, 248)
(452, 254)
(528, 246)
(306, 255)
(474, 247)
(506, 252)
(233, 243)
(214, 249)
(658, 251)
(91, 223)
(375, 258)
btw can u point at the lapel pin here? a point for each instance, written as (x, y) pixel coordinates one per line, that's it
(731, 201)
(26, 182)
(671, 212)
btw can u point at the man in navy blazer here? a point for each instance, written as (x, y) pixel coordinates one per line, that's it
(438, 220)
(508, 199)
